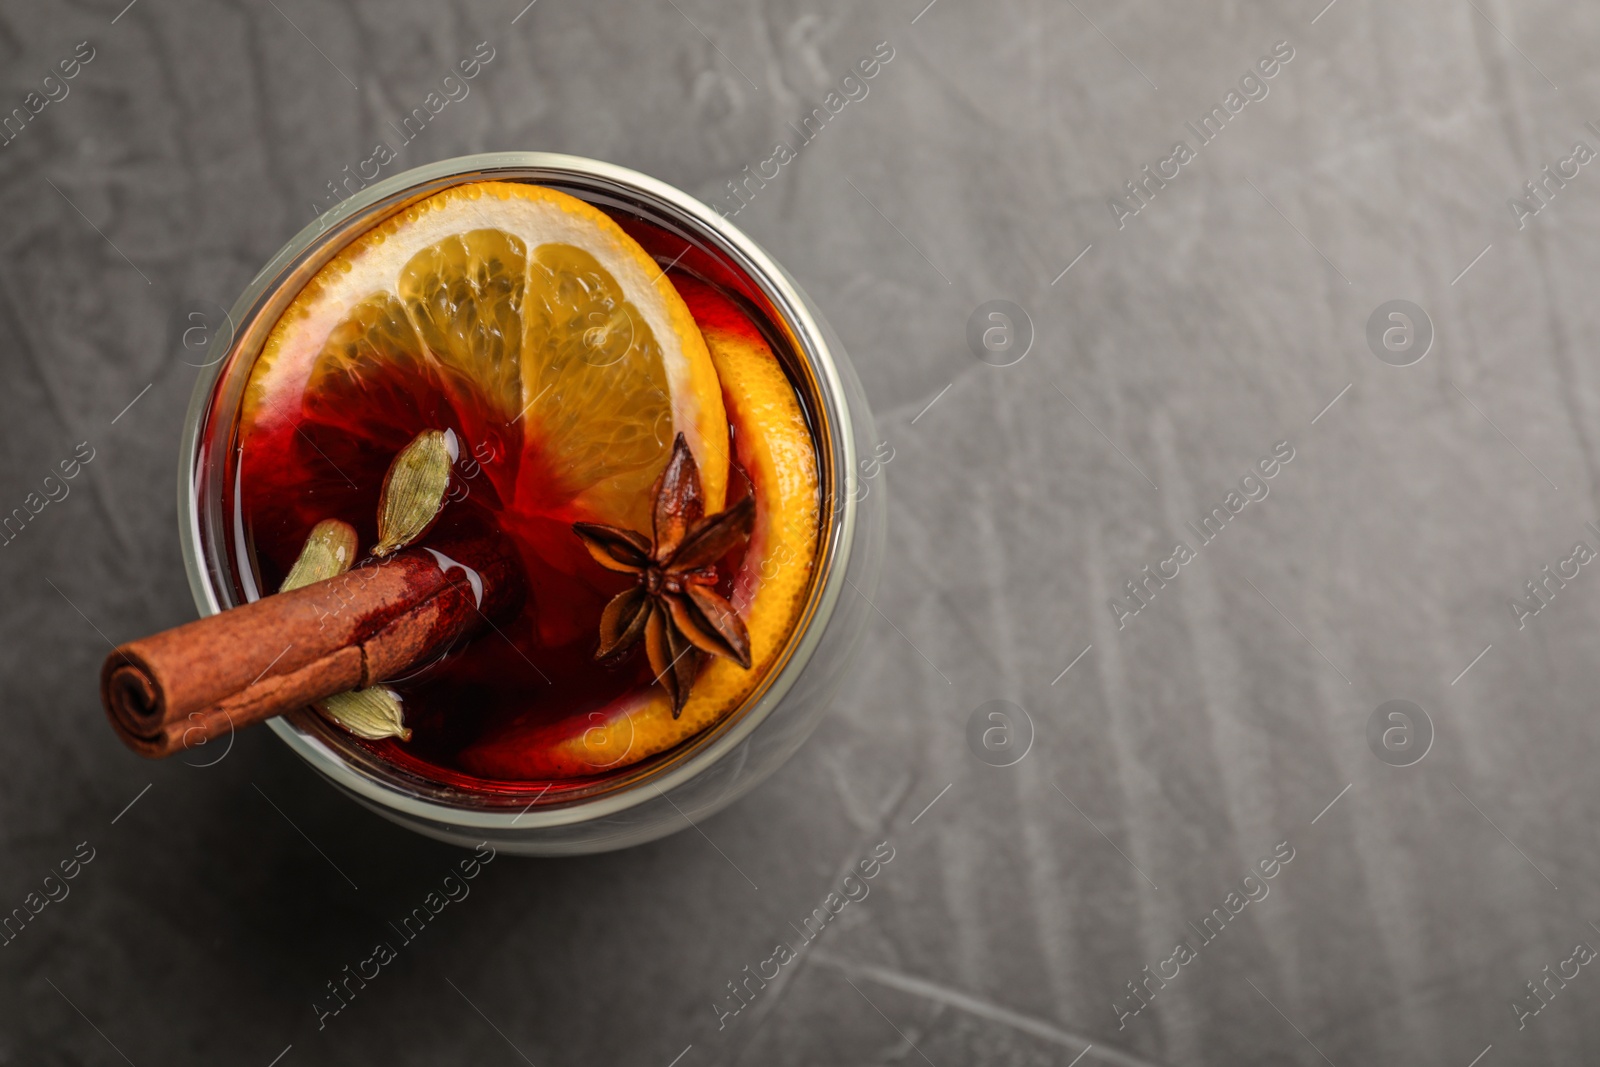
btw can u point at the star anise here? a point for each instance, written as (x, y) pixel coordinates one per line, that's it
(674, 606)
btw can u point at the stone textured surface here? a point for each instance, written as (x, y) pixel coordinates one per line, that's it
(1171, 758)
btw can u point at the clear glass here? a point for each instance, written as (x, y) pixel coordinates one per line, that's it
(658, 796)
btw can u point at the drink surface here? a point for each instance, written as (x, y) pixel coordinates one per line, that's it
(503, 711)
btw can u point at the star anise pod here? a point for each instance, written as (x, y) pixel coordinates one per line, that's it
(674, 606)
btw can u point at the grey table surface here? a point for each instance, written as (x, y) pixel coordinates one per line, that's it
(1187, 742)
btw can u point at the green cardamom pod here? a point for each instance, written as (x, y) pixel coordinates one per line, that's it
(329, 551)
(370, 713)
(414, 489)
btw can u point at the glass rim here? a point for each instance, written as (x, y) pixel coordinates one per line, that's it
(318, 242)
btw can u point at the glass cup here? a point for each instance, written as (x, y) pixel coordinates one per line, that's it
(663, 794)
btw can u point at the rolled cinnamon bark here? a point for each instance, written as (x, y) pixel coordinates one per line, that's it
(179, 688)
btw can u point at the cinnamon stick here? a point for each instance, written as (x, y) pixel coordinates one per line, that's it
(182, 687)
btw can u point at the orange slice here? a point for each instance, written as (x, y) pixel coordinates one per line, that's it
(527, 302)
(774, 447)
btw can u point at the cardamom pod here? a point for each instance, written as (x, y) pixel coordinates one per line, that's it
(370, 713)
(329, 551)
(414, 489)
